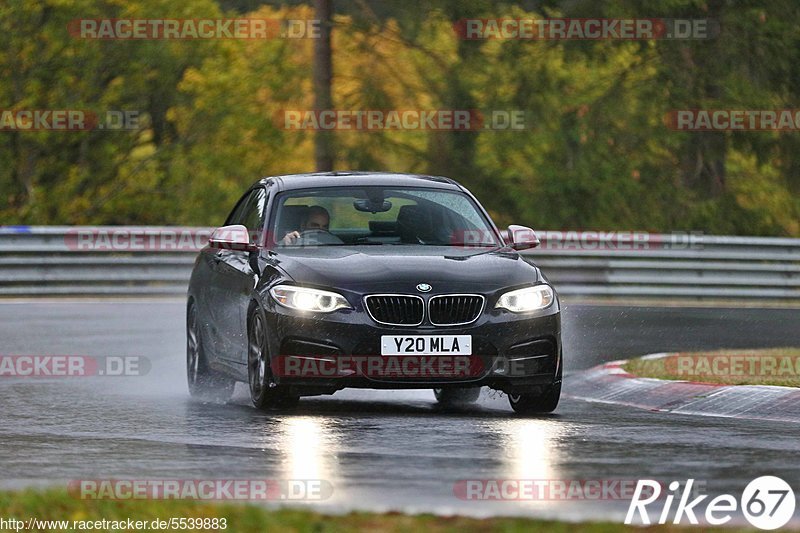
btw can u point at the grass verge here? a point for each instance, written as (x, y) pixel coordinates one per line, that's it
(773, 366)
(57, 504)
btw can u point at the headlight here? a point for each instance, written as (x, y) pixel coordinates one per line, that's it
(305, 299)
(528, 299)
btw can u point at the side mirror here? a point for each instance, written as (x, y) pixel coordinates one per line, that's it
(522, 238)
(234, 237)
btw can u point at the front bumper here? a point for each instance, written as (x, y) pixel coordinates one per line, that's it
(517, 353)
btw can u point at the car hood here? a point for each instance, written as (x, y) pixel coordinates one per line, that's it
(370, 269)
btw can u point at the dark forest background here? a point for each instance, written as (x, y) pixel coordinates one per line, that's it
(596, 154)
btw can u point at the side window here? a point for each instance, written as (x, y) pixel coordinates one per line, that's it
(236, 215)
(253, 212)
(249, 212)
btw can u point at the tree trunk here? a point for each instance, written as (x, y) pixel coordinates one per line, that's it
(323, 73)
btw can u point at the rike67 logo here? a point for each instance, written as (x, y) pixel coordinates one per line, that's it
(767, 502)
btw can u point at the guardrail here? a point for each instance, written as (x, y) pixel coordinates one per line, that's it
(112, 260)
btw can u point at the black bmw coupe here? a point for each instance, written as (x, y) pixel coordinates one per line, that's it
(318, 282)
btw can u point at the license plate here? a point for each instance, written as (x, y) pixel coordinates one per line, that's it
(426, 345)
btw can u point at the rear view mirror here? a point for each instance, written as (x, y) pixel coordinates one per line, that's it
(235, 237)
(522, 238)
(371, 206)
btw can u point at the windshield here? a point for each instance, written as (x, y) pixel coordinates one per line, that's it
(348, 216)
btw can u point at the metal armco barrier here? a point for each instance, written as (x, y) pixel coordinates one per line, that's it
(114, 260)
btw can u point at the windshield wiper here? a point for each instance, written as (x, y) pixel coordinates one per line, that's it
(484, 250)
(369, 243)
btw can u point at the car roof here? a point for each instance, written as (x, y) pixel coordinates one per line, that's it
(358, 179)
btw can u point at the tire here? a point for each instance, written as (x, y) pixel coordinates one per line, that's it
(204, 382)
(452, 397)
(539, 403)
(264, 393)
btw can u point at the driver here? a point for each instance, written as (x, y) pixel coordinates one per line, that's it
(317, 218)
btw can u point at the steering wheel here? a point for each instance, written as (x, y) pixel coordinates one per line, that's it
(317, 236)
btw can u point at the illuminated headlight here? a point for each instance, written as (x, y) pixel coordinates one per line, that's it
(305, 299)
(526, 300)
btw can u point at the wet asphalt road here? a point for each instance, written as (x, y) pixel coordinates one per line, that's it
(379, 450)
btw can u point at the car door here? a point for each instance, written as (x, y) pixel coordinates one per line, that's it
(233, 280)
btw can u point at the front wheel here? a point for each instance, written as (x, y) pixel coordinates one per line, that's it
(263, 391)
(204, 382)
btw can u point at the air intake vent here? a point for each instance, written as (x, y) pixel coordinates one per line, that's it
(455, 309)
(396, 309)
